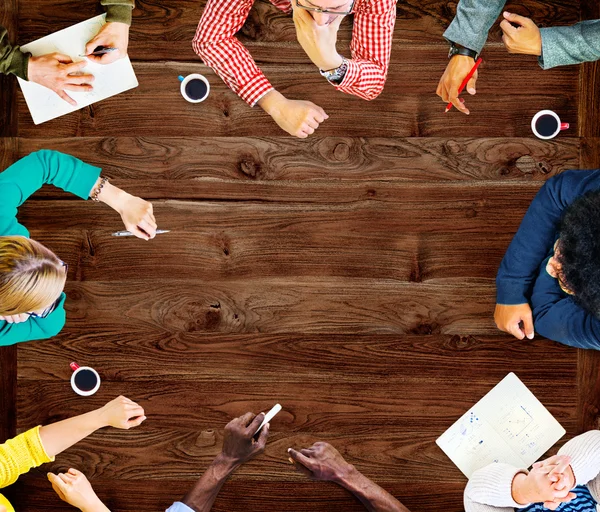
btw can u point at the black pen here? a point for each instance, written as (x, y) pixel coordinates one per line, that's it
(100, 50)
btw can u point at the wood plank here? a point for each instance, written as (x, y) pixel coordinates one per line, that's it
(295, 495)
(179, 163)
(283, 358)
(165, 31)
(286, 305)
(407, 107)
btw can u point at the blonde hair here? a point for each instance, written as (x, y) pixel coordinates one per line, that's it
(31, 276)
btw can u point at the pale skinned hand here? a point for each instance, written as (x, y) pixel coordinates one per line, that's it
(15, 319)
(318, 41)
(508, 318)
(321, 462)
(526, 38)
(297, 117)
(75, 489)
(456, 71)
(138, 216)
(239, 444)
(559, 467)
(59, 73)
(112, 34)
(121, 413)
(545, 483)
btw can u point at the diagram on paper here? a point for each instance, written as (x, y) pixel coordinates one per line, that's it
(507, 425)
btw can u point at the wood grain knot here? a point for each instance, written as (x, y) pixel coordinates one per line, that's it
(426, 329)
(471, 213)
(341, 152)
(371, 192)
(460, 341)
(249, 167)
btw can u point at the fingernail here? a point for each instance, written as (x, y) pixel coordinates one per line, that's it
(289, 450)
(530, 336)
(291, 460)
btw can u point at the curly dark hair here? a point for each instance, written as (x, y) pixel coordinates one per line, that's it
(579, 250)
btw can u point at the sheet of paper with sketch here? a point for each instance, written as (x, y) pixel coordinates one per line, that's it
(508, 425)
(109, 79)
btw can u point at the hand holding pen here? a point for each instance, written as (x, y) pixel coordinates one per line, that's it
(110, 44)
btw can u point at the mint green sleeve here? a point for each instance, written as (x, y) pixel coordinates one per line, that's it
(562, 46)
(34, 328)
(30, 173)
(118, 10)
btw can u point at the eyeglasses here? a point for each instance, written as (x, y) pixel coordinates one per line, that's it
(54, 305)
(324, 11)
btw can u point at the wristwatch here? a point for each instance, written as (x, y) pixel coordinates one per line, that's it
(456, 49)
(336, 76)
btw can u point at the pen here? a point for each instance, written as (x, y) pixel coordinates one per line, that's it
(100, 50)
(466, 80)
(129, 233)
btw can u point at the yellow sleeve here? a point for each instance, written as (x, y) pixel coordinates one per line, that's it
(20, 454)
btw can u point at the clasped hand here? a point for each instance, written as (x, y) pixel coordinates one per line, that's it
(549, 482)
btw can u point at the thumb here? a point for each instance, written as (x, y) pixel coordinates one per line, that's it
(515, 18)
(55, 480)
(61, 57)
(91, 45)
(471, 84)
(528, 325)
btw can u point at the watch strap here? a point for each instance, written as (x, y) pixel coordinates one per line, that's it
(461, 50)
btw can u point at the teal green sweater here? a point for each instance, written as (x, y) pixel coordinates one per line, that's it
(17, 183)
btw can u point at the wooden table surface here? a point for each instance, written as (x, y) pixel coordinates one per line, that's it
(349, 276)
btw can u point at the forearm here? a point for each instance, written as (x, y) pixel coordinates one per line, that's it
(59, 436)
(110, 195)
(118, 10)
(373, 497)
(371, 48)
(473, 21)
(204, 493)
(12, 59)
(577, 43)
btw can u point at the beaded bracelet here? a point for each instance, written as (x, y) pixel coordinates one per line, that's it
(95, 195)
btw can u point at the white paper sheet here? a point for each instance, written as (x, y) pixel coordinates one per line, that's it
(509, 425)
(110, 79)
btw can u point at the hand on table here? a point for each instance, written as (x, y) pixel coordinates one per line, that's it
(138, 217)
(112, 34)
(121, 413)
(526, 38)
(75, 489)
(239, 444)
(508, 318)
(297, 117)
(318, 39)
(457, 70)
(321, 462)
(59, 73)
(15, 319)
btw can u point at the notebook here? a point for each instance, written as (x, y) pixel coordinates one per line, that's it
(508, 425)
(110, 79)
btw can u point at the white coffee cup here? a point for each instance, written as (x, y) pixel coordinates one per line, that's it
(78, 369)
(189, 78)
(559, 126)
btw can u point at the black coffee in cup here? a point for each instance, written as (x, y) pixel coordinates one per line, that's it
(195, 89)
(546, 125)
(86, 380)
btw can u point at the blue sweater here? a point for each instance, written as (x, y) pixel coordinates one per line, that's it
(522, 276)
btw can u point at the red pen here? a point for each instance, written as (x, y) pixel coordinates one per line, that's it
(466, 81)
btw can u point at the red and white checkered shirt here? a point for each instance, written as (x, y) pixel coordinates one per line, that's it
(371, 46)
